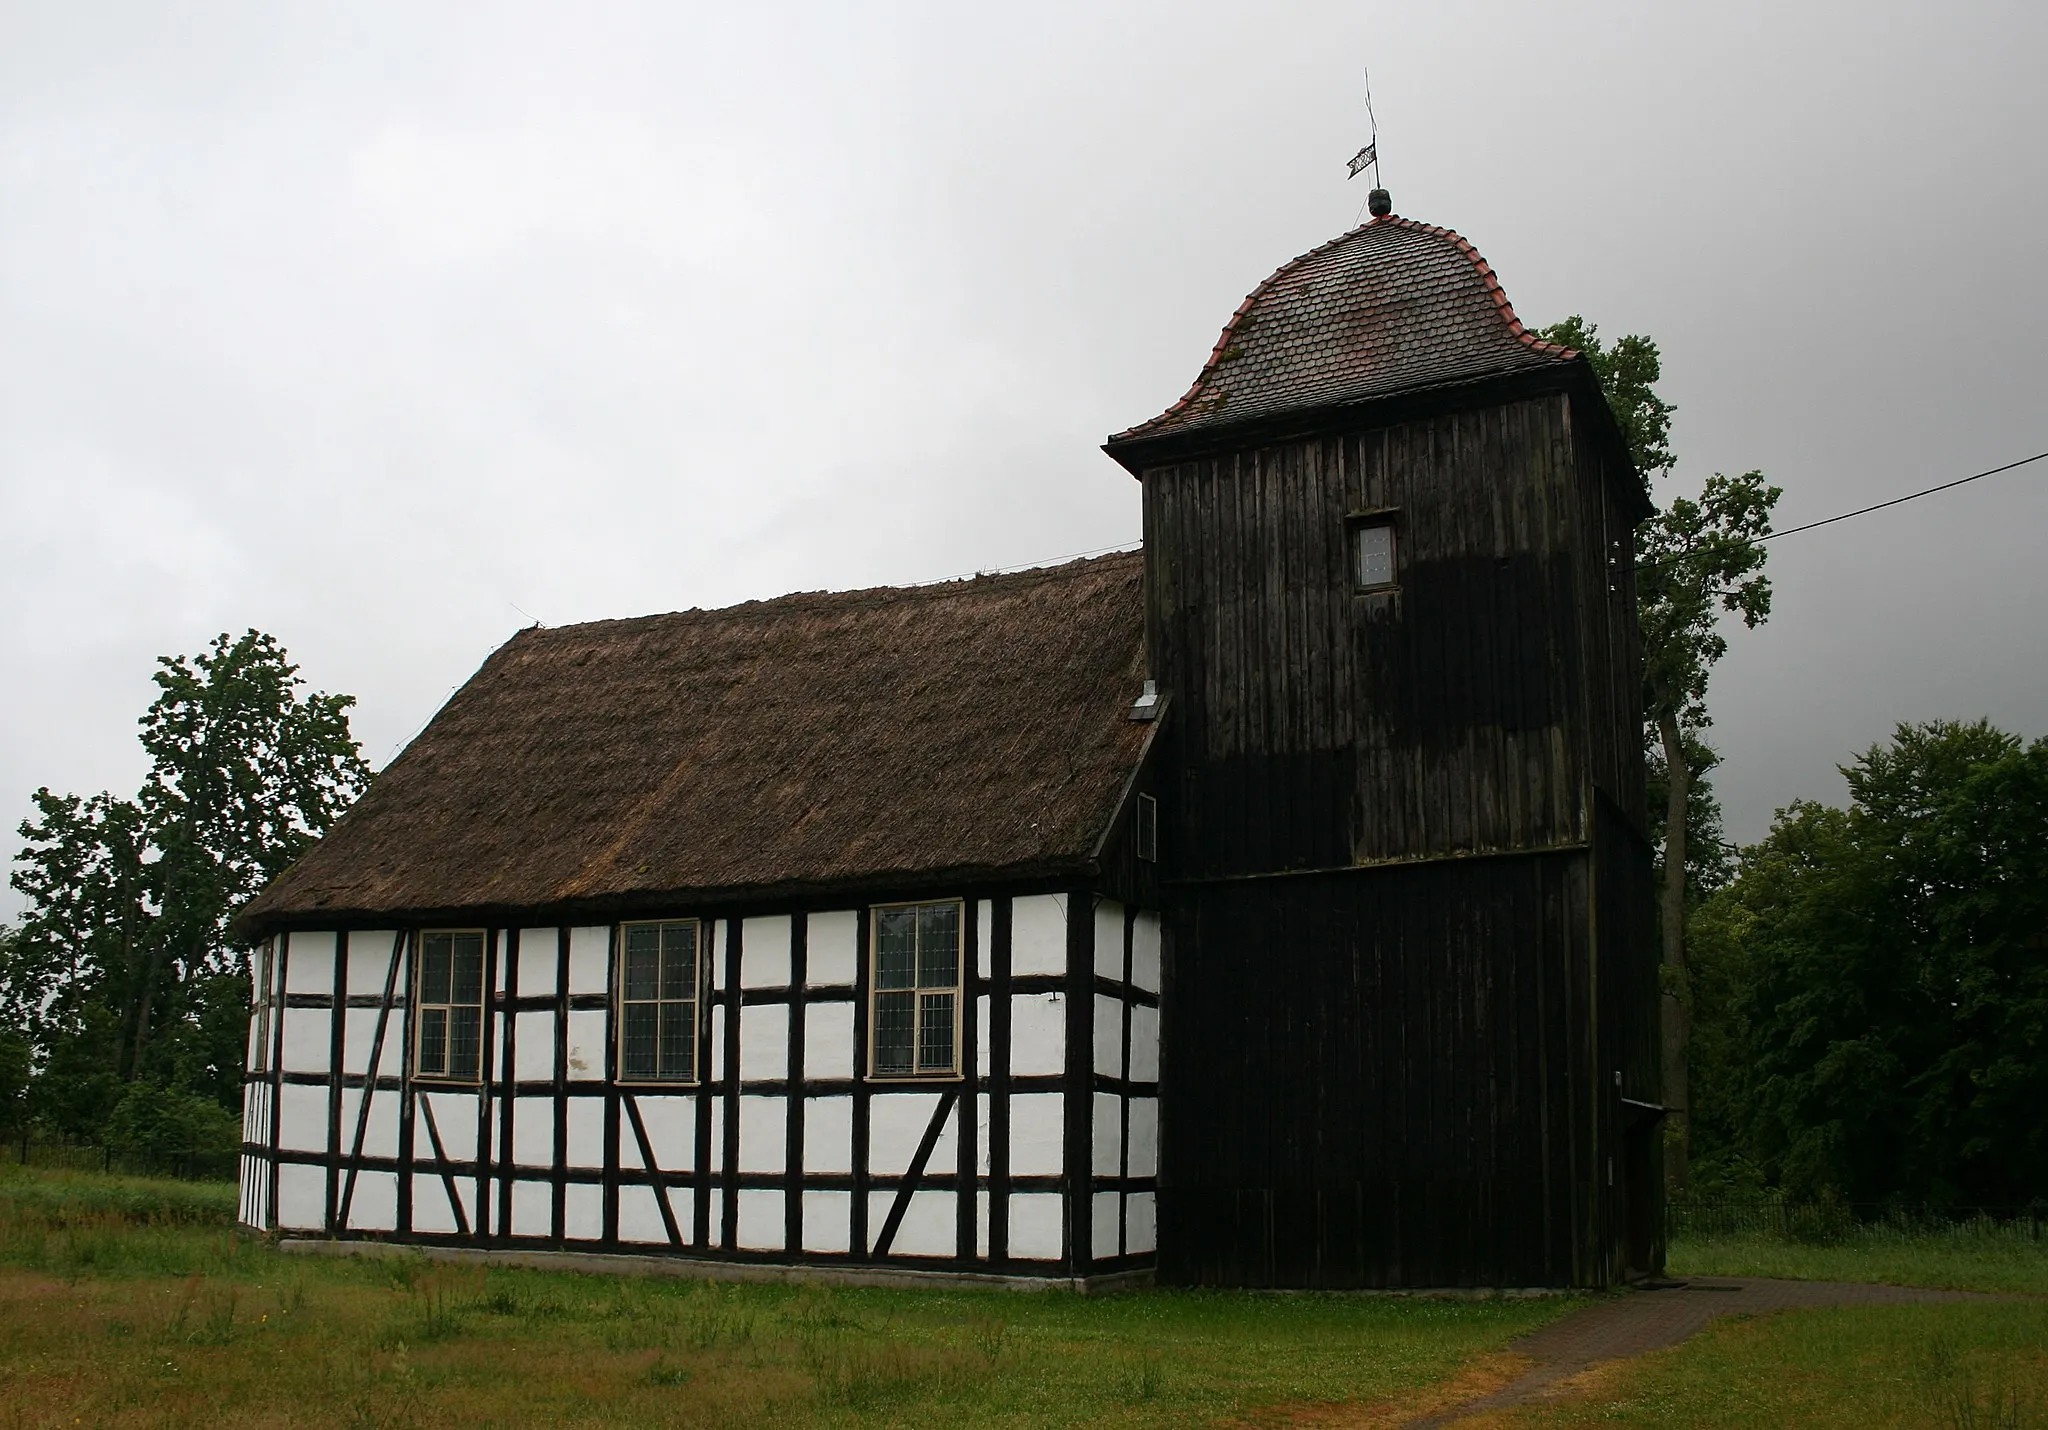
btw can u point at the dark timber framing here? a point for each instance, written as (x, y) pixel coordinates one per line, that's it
(979, 1235)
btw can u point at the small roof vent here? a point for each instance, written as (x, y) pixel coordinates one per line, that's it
(1146, 707)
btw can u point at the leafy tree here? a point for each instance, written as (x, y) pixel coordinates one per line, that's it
(1698, 563)
(1875, 980)
(124, 956)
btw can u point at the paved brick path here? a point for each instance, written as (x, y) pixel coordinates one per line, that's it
(1640, 1321)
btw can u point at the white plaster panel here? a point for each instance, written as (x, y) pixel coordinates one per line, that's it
(1109, 939)
(454, 1119)
(984, 938)
(1108, 1135)
(431, 1209)
(930, 1225)
(716, 1067)
(1038, 934)
(310, 966)
(715, 950)
(586, 1044)
(828, 1040)
(533, 1048)
(1145, 951)
(764, 1132)
(831, 948)
(369, 962)
(533, 1209)
(828, 1220)
(1038, 1126)
(715, 1215)
(671, 1124)
(1107, 1225)
(380, 1132)
(302, 1120)
(533, 1131)
(1144, 1137)
(764, 957)
(1038, 1033)
(1141, 1224)
(896, 1124)
(301, 1196)
(582, 1211)
(1037, 1226)
(308, 1039)
(590, 960)
(828, 1135)
(1144, 1043)
(762, 1225)
(640, 1215)
(539, 963)
(717, 1148)
(1109, 1035)
(249, 1059)
(586, 1132)
(374, 1205)
(981, 1140)
(359, 1031)
(502, 961)
(984, 1044)
(764, 1042)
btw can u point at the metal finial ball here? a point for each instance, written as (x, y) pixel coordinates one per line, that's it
(1379, 203)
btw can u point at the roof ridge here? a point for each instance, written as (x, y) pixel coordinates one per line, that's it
(1515, 327)
(858, 598)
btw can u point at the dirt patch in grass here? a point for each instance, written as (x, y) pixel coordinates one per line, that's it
(1961, 1366)
(1484, 1376)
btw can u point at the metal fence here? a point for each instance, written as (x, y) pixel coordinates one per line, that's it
(1826, 1223)
(130, 1161)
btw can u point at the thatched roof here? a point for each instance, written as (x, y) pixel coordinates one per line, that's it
(975, 728)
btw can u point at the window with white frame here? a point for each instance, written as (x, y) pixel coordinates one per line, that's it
(260, 1012)
(448, 1005)
(914, 991)
(658, 1002)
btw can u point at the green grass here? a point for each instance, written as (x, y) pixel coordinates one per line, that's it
(1966, 1259)
(131, 1303)
(1970, 1366)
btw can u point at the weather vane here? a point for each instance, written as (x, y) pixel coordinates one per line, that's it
(1378, 200)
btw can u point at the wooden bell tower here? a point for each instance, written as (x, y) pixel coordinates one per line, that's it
(1410, 1016)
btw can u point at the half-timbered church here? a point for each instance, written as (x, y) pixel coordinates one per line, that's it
(1267, 907)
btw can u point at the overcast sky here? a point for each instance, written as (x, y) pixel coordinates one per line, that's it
(378, 327)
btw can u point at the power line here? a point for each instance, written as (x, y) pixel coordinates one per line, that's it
(1860, 511)
(1910, 496)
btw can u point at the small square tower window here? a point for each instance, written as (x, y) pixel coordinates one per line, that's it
(1373, 554)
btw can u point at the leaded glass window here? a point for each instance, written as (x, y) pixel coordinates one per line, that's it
(914, 1014)
(266, 972)
(658, 1002)
(448, 1006)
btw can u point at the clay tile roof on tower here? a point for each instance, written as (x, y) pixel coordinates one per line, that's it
(918, 733)
(1392, 307)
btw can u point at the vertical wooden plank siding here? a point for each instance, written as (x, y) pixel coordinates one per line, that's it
(1401, 984)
